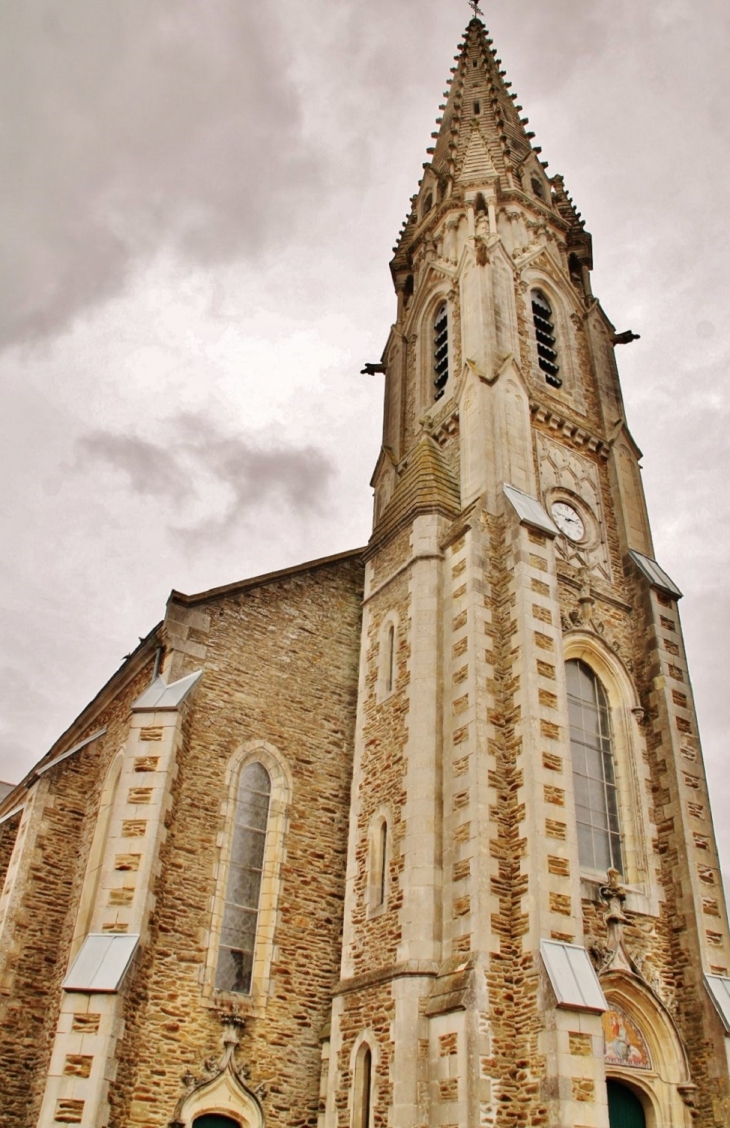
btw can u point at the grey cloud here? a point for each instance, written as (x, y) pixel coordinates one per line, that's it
(133, 127)
(151, 469)
(297, 476)
(21, 704)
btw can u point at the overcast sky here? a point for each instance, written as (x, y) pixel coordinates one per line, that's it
(199, 202)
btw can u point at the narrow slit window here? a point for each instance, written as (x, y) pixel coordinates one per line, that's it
(243, 890)
(594, 781)
(383, 863)
(390, 658)
(362, 1086)
(477, 109)
(440, 350)
(547, 354)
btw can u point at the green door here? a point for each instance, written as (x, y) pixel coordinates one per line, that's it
(215, 1120)
(625, 1110)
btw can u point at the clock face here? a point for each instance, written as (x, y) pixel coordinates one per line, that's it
(568, 520)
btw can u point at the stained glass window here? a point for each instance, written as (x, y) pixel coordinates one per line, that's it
(241, 909)
(596, 798)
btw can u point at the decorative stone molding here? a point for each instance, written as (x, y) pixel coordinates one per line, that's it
(582, 617)
(445, 426)
(221, 1083)
(570, 430)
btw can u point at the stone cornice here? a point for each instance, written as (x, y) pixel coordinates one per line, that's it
(574, 432)
(421, 969)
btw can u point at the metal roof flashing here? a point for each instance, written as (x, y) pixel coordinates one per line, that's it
(656, 575)
(572, 976)
(530, 511)
(161, 697)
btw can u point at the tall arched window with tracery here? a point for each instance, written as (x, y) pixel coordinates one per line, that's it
(243, 888)
(594, 779)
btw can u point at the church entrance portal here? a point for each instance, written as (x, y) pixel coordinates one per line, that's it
(625, 1110)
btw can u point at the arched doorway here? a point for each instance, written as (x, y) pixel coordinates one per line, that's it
(214, 1120)
(625, 1110)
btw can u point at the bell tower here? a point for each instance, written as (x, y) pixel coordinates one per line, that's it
(534, 928)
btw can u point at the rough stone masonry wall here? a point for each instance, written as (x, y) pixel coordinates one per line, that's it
(376, 935)
(30, 990)
(370, 1009)
(512, 978)
(280, 665)
(385, 733)
(653, 941)
(668, 663)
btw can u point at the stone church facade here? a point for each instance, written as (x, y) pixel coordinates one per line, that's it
(418, 834)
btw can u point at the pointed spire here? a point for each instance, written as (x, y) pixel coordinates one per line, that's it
(481, 137)
(478, 91)
(480, 132)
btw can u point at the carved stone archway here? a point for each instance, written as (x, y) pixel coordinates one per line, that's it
(221, 1090)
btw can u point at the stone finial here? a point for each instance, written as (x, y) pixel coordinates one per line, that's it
(233, 1027)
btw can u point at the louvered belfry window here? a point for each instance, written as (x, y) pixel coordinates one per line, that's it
(596, 798)
(241, 909)
(547, 355)
(440, 350)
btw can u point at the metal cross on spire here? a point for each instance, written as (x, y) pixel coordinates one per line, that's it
(474, 4)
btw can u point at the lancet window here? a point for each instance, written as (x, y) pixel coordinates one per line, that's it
(389, 664)
(440, 349)
(596, 796)
(243, 889)
(378, 864)
(547, 353)
(362, 1085)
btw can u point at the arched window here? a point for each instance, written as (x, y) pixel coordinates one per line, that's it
(547, 355)
(427, 203)
(243, 889)
(596, 799)
(362, 1083)
(440, 350)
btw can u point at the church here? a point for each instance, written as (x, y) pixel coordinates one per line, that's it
(418, 834)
